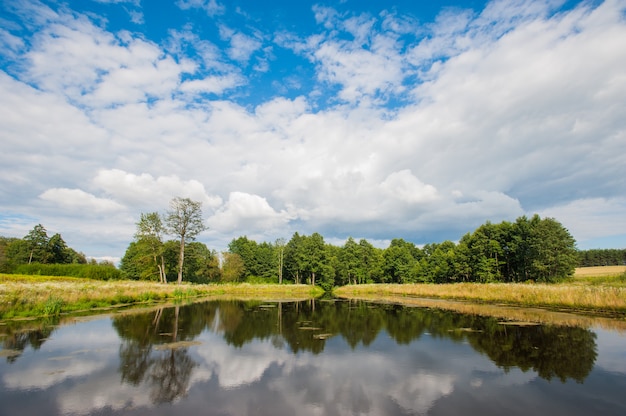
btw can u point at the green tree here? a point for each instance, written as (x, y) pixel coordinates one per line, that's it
(315, 260)
(201, 264)
(260, 260)
(554, 251)
(150, 230)
(350, 267)
(184, 219)
(57, 250)
(370, 269)
(485, 252)
(295, 257)
(233, 268)
(6, 261)
(399, 261)
(37, 242)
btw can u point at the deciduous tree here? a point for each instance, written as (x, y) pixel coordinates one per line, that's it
(184, 219)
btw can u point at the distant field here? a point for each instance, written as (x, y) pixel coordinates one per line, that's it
(599, 271)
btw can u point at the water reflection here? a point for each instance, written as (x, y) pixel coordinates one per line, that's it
(15, 339)
(329, 357)
(551, 351)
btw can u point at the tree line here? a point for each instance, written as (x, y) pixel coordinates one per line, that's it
(602, 257)
(528, 249)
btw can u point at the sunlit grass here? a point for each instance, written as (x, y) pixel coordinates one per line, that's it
(27, 296)
(597, 271)
(574, 296)
(599, 290)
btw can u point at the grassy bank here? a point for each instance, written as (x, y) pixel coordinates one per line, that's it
(600, 293)
(31, 296)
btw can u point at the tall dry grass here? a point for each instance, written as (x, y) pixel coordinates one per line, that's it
(607, 299)
(22, 295)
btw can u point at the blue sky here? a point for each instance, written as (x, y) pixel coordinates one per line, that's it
(419, 120)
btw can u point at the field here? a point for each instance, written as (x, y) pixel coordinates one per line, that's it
(599, 271)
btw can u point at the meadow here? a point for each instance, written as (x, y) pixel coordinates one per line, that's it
(601, 290)
(23, 296)
(597, 290)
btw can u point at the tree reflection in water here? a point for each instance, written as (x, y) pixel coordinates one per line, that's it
(153, 349)
(16, 339)
(152, 352)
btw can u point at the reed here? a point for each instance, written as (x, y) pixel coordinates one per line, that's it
(576, 296)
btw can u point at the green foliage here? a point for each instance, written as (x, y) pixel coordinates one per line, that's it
(53, 307)
(201, 265)
(89, 271)
(532, 249)
(233, 268)
(256, 280)
(36, 247)
(260, 260)
(602, 257)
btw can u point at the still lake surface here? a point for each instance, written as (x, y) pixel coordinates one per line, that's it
(310, 358)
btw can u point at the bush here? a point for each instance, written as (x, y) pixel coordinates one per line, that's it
(261, 280)
(88, 271)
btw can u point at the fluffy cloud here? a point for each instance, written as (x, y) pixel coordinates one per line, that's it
(144, 190)
(245, 214)
(77, 200)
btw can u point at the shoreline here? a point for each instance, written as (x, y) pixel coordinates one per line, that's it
(25, 297)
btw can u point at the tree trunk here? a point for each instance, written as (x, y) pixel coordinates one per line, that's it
(163, 275)
(181, 258)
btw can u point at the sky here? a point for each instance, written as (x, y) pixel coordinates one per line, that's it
(364, 119)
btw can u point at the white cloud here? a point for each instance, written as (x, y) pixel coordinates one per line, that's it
(211, 84)
(245, 213)
(212, 7)
(95, 68)
(407, 188)
(79, 201)
(591, 218)
(145, 190)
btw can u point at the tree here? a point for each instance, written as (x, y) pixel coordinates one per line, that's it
(349, 262)
(184, 219)
(315, 256)
(58, 252)
(37, 241)
(554, 251)
(399, 261)
(150, 230)
(295, 257)
(232, 267)
(201, 264)
(280, 248)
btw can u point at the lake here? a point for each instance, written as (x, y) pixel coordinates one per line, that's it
(332, 357)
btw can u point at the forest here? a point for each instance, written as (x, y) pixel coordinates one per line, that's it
(528, 249)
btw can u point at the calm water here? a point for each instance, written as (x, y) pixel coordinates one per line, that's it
(309, 358)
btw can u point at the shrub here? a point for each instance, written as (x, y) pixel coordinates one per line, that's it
(89, 271)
